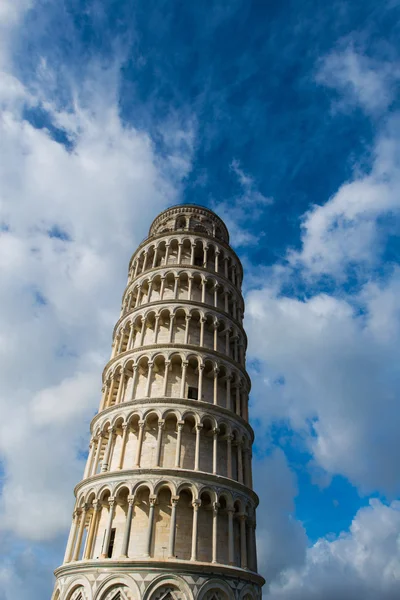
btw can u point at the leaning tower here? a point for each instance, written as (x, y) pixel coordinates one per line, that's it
(166, 507)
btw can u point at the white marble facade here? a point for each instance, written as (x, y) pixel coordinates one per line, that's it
(165, 508)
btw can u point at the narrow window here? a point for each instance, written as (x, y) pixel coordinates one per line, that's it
(193, 393)
(111, 544)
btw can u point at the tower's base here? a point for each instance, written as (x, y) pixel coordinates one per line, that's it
(154, 580)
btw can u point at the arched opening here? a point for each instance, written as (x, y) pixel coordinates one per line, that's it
(184, 518)
(140, 523)
(168, 448)
(204, 542)
(162, 524)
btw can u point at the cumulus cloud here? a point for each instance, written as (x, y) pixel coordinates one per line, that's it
(362, 564)
(78, 189)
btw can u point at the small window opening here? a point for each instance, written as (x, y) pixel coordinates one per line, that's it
(111, 544)
(193, 393)
(198, 261)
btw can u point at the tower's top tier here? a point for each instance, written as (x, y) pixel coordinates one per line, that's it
(190, 217)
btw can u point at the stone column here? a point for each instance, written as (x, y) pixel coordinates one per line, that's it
(152, 503)
(111, 391)
(130, 339)
(179, 259)
(215, 326)
(136, 268)
(215, 450)
(190, 287)
(171, 328)
(72, 537)
(202, 321)
(78, 540)
(216, 286)
(167, 248)
(143, 331)
(150, 289)
(200, 384)
(231, 553)
(205, 250)
(203, 290)
(172, 530)
(183, 379)
(180, 425)
(216, 371)
(216, 260)
(106, 543)
(155, 257)
(134, 378)
(187, 319)
(145, 261)
(156, 327)
(243, 545)
(125, 435)
(162, 287)
(97, 456)
(215, 533)
(192, 254)
(196, 505)
(148, 382)
(176, 284)
(128, 525)
(107, 454)
(165, 386)
(121, 388)
(226, 267)
(139, 445)
(92, 529)
(161, 424)
(198, 428)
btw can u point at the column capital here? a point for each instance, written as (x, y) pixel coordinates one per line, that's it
(230, 509)
(174, 500)
(96, 504)
(185, 363)
(215, 507)
(131, 500)
(199, 426)
(215, 431)
(180, 425)
(196, 504)
(242, 516)
(125, 426)
(152, 500)
(141, 424)
(111, 501)
(161, 424)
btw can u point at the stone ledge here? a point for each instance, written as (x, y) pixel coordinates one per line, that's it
(206, 406)
(182, 566)
(160, 472)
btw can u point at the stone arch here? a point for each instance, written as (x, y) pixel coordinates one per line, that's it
(168, 587)
(112, 585)
(79, 585)
(215, 589)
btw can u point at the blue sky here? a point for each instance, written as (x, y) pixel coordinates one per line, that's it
(284, 118)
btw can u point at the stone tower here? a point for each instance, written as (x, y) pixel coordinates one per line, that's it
(166, 509)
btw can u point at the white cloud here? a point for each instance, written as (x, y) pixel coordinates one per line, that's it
(71, 215)
(359, 79)
(362, 564)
